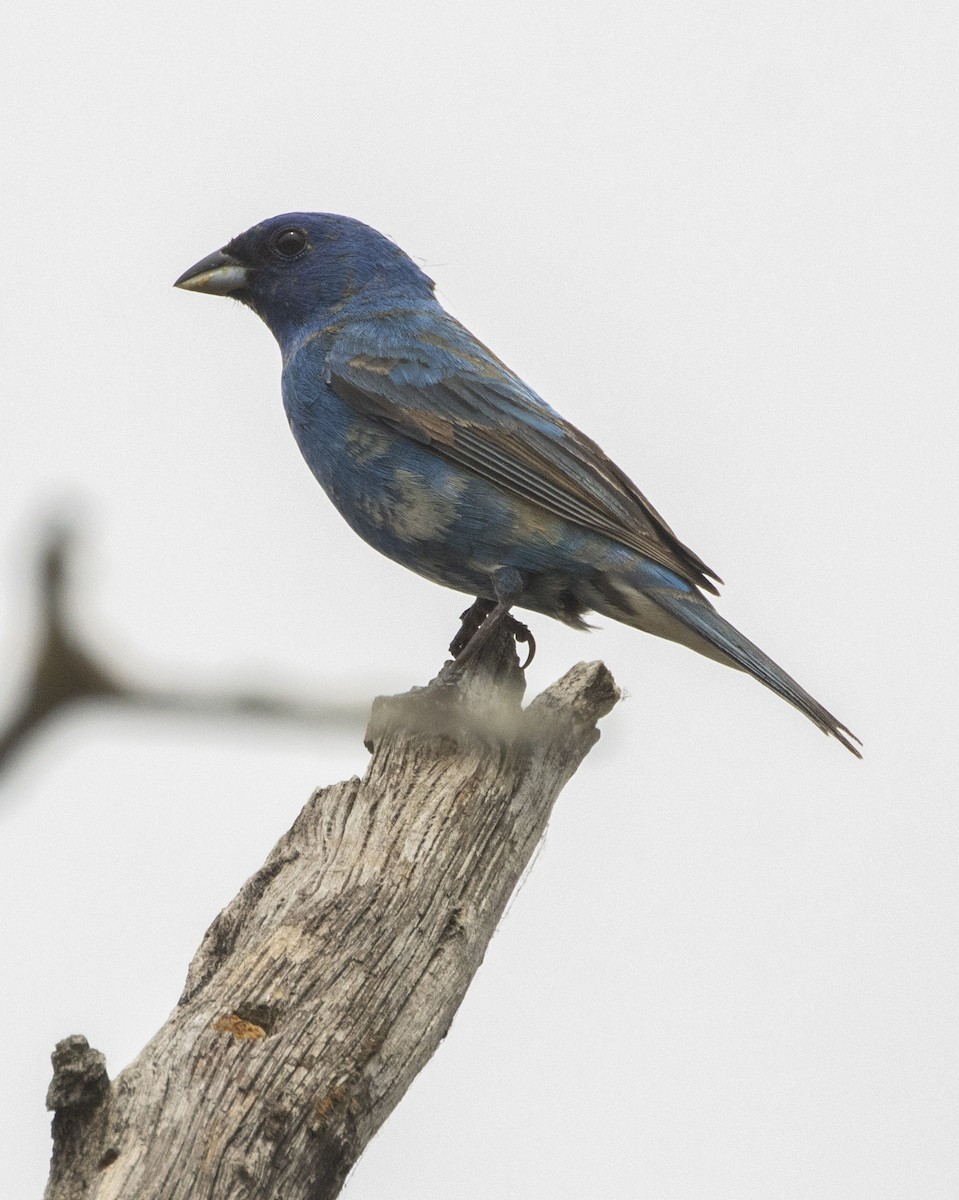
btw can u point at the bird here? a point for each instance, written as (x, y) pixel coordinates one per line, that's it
(445, 461)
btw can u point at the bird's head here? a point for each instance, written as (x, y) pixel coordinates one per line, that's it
(298, 269)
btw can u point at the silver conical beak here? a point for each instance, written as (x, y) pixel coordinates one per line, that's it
(218, 274)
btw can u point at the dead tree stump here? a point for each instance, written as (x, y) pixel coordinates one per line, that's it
(329, 981)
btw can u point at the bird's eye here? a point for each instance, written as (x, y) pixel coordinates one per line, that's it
(288, 243)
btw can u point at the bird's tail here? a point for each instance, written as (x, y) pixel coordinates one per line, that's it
(688, 617)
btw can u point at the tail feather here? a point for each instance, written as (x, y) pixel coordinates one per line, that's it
(699, 616)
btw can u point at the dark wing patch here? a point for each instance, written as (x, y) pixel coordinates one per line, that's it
(466, 406)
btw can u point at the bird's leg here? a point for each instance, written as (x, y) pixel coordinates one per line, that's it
(484, 616)
(471, 620)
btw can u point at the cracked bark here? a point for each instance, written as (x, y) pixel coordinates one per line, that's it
(329, 981)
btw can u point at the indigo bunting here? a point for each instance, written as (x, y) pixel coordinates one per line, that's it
(438, 456)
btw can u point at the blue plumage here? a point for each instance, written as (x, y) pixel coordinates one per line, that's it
(442, 459)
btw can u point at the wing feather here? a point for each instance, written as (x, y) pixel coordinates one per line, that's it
(448, 392)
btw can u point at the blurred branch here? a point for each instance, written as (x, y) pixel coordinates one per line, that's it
(328, 982)
(64, 672)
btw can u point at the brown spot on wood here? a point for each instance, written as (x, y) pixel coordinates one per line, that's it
(109, 1157)
(336, 1097)
(231, 1023)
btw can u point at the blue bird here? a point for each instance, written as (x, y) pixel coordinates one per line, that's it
(438, 456)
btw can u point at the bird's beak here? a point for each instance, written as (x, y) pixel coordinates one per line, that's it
(219, 274)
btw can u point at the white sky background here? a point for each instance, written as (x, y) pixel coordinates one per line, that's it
(723, 240)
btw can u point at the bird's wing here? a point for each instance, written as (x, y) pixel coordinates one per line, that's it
(439, 386)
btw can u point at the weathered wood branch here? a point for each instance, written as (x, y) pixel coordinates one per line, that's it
(329, 981)
(65, 672)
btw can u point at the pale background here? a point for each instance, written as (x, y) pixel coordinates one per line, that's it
(723, 240)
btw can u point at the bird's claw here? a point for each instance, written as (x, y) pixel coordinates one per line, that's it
(523, 635)
(473, 618)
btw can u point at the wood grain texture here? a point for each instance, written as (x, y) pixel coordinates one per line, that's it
(329, 981)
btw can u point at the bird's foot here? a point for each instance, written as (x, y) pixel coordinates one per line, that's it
(474, 618)
(524, 635)
(470, 620)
